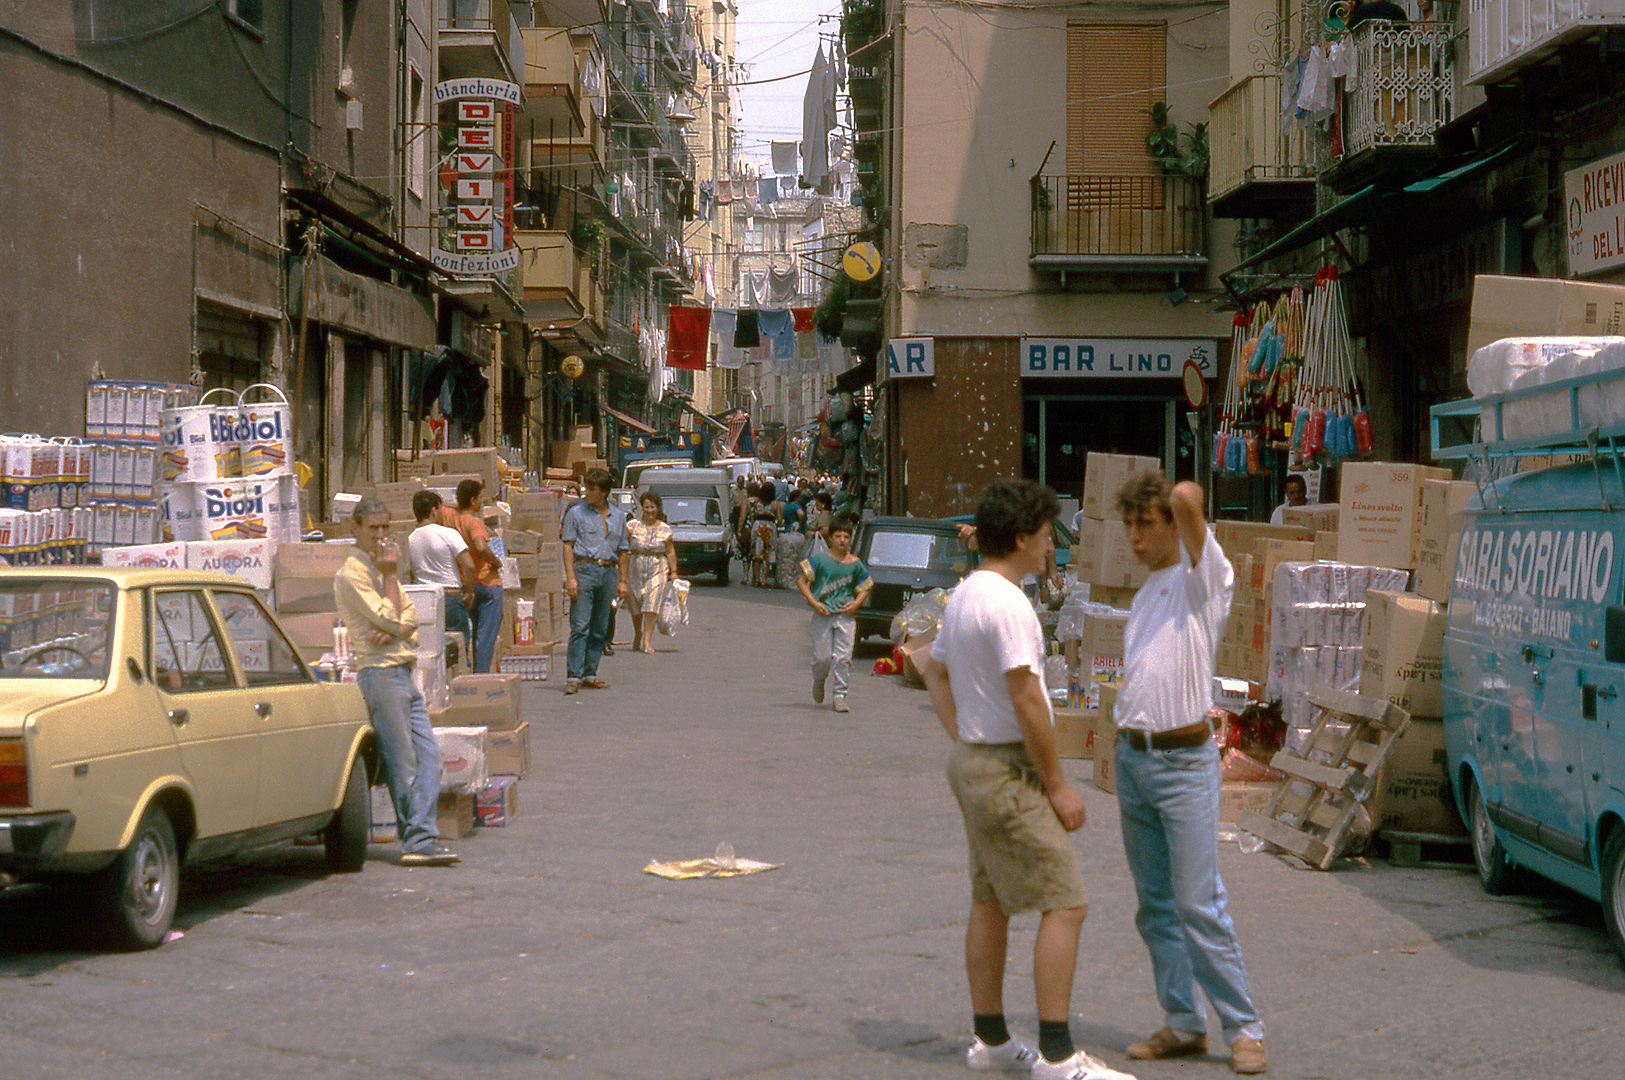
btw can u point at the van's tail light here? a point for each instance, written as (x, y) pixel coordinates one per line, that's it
(13, 773)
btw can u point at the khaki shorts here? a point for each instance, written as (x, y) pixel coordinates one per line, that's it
(1020, 853)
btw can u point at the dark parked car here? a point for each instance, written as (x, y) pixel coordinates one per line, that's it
(906, 556)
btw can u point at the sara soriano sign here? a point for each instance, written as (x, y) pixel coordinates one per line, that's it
(1115, 358)
(1596, 215)
(477, 177)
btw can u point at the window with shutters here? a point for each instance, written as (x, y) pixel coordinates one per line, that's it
(1115, 73)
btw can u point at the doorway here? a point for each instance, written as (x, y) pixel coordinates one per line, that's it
(1060, 431)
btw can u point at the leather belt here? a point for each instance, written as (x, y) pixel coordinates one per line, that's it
(1177, 739)
(602, 562)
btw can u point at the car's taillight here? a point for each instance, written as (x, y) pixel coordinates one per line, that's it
(13, 773)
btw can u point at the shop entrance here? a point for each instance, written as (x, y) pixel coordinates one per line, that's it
(1060, 430)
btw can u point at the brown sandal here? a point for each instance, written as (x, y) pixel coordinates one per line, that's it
(595, 684)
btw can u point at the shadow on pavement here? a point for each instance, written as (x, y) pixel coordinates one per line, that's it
(43, 926)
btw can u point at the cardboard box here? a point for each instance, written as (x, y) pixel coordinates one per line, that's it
(566, 454)
(1442, 504)
(1411, 793)
(535, 510)
(463, 765)
(1075, 733)
(1105, 745)
(398, 497)
(497, 803)
(490, 701)
(311, 634)
(1402, 658)
(1103, 556)
(454, 814)
(1236, 796)
(1103, 475)
(410, 466)
(1506, 307)
(303, 576)
(483, 461)
(1317, 517)
(1249, 537)
(550, 567)
(1325, 547)
(147, 556)
(520, 541)
(1277, 552)
(1381, 523)
(507, 753)
(916, 649)
(1103, 634)
(1116, 596)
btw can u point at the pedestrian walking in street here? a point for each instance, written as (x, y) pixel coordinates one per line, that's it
(439, 556)
(835, 585)
(1168, 774)
(487, 608)
(985, 675)
(595, 573)
(652, 562)
(383, 630)
(764, 534)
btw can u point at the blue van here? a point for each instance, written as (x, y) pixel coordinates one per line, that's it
(1534, 665)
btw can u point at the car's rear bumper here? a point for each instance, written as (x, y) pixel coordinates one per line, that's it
(32, 841)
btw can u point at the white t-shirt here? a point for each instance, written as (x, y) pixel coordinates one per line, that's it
(432, 550)
(1168, 647)
(1278, 514)
(988, 629)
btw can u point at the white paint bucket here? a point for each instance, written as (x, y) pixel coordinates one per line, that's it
(251, 508)
(180, 511)
(265, 434)
(198, 443)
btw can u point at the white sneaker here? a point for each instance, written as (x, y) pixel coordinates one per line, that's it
(1080, 1066)
(1012, 1055)
(840, 703)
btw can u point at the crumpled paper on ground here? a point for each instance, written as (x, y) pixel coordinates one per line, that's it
(722, 864)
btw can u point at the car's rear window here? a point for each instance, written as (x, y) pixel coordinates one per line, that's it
(54, 628)
(907, 550)
(687, 510)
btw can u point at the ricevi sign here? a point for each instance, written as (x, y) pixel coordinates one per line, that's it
(1596, 215)
(1115, 358)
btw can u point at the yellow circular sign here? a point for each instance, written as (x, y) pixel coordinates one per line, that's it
(861, 261)
(572, 367)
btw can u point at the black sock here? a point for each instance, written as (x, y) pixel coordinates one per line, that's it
(991, 1030)
(1054, 1040)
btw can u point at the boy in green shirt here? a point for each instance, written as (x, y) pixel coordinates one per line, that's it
(835, 584)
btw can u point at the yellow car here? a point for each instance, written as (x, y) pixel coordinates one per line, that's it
(151, 717)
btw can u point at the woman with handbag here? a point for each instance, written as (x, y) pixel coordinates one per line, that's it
(651, 565)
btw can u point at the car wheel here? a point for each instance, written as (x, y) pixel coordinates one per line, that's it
(1489, 857)
(345, 838)
(1613, 889)
(138, 892)
(722, 573)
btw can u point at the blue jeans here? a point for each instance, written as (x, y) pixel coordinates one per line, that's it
(487, 624)
(590, 614)
(1170, 812)
(410, 751)
(458, 618)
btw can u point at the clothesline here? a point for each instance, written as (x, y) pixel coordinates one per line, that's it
(784, 338)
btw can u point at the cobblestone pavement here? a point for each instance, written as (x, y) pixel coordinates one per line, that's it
(549, 953)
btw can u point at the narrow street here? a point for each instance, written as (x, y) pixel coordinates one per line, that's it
(550, 953)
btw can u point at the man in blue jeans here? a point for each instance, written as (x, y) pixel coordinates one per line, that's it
(1168, 774)
(594, 535)
(383, 636)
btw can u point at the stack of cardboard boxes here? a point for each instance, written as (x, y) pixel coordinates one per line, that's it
(482, 729)
(576, 457)
(1103, 557)
(534, 613)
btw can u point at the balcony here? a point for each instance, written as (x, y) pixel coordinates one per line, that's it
(1403, 92)
(1115, 223)
(554, 100)
(558, 283)
(480, 39)
(1505, 36)
(1257, 167)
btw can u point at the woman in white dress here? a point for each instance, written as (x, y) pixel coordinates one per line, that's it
(652, 563)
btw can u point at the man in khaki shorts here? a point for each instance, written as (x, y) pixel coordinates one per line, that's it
(986, 679)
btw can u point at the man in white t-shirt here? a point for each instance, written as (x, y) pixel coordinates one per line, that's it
(986, 679)
(1168, 774)
(440, 556)
(1297, 494)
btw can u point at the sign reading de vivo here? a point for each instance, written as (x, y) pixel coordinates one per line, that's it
(1115, 358)
(478, 237)
(1596, 215)
(911, 358)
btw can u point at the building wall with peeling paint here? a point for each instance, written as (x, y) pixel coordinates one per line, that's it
(955, 431)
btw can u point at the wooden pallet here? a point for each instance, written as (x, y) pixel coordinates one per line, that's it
(1317, 806)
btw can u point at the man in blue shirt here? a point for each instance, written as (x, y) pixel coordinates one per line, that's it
(594, 535)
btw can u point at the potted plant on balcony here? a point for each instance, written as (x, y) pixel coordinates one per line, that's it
(588, 235)
(1178, 155)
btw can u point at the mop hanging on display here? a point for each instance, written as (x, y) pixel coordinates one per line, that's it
(1329, 419)
(1266, 346)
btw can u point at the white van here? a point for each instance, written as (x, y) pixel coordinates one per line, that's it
(699, 505)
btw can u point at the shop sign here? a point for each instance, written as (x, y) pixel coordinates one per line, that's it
(1596, 215)
(368, 307)
(911, 358)
(1115, 358)
(476, 237)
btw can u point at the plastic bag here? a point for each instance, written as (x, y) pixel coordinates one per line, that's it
(920, 615)
(673, 606)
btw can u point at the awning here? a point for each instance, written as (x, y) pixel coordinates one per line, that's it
(630, 421)
(1372, 202)
(707, 417)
